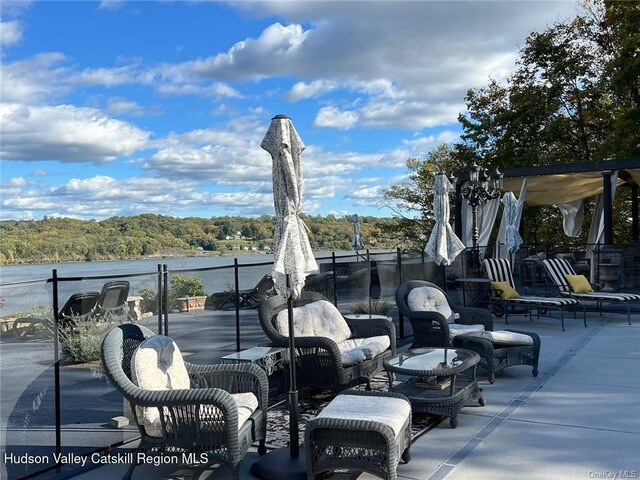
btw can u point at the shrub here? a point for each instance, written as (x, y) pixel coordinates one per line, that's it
(82, 344)
(181, 286)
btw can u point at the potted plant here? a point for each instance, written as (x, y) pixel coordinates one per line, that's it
(186, 293)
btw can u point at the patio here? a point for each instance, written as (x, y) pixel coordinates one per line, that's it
(580, 418)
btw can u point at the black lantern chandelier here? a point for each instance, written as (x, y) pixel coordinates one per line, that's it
(481, 188)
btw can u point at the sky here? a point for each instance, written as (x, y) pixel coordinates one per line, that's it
(122, 108)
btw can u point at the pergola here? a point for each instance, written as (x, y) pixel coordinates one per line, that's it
(562, 183)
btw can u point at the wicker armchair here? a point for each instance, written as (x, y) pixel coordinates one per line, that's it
(319, 361)
(185, 425)
(432, 328)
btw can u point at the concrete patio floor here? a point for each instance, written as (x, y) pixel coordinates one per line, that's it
(579, 419)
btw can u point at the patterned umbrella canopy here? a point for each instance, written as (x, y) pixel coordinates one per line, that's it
(443, 245)
(357, 240)
(293, 254)
(512, 238)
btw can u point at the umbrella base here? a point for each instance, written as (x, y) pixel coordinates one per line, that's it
(280, 465)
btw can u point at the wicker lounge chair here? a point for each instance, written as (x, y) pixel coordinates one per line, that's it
(332, 353)
(435, 321)
(109, 303)
(499, 270)
(557, 271)
(205, 418)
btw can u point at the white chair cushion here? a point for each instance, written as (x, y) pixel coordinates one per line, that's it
(371, 346)
(316, 319)
(351, 356)
(459, 329)
(504, 338)
(430, 299)
(157, 364)
(392, 412)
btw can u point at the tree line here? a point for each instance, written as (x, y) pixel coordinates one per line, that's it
(54, 239)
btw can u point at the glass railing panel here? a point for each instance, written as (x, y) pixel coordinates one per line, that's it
(27, 410)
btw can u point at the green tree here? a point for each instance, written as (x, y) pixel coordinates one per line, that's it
(412, 201)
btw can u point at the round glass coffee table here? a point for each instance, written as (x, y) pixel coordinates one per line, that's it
(441, 380)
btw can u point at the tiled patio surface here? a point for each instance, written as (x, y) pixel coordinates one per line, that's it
(579, 419)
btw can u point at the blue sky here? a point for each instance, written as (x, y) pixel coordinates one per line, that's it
(121, 108)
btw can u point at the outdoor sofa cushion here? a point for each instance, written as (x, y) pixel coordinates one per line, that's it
(456, 329)
(322, 319)
(157, 364)
(429, 299)
(502, 338)
(392, 412)
(578, 283)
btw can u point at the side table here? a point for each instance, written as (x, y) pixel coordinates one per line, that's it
(268, 358)
(442, 380)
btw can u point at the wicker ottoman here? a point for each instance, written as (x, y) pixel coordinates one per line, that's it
(501, 349)
(360, 431)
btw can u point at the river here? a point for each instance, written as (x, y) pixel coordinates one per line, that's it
(35, 296)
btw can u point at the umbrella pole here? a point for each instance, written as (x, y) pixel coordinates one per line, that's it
(294, 443)
(286, 463)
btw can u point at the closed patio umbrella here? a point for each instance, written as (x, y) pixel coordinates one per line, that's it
(443, 246)
(357, 239)
(512, 240)
(293, 261)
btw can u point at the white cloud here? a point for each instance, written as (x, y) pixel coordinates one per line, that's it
(111, 4)
(302, 90)
(269, 54)
(10, 32)
(34, 79)
(331, 117)
(65, 133)
(122, 106)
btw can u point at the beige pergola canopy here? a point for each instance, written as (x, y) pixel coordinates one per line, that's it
(554, 189)
(565, 183)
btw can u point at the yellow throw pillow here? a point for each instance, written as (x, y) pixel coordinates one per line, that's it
(504, 290)
(578, 283)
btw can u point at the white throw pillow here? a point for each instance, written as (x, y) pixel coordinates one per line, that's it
(316, 319)
(157, 364)
(430, 299)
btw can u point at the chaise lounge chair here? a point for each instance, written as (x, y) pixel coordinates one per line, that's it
(504, 293)
(82, 307)
(249, 298)
(578, 287)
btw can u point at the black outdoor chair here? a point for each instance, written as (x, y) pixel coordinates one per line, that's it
(319, 359)
(202, 419)
(431, 328)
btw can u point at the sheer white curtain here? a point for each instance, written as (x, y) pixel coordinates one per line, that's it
(572, 217)
(501, 250)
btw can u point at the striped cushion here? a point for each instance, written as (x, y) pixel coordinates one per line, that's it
(550, 301)
(557, 268)
(606, 296)
(499, 270)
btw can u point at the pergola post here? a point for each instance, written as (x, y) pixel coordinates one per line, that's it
(607, 207)
(635, 231)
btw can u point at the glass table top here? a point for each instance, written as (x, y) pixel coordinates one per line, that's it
(428, 359)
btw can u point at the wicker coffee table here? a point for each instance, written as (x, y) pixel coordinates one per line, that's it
(441, 380)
